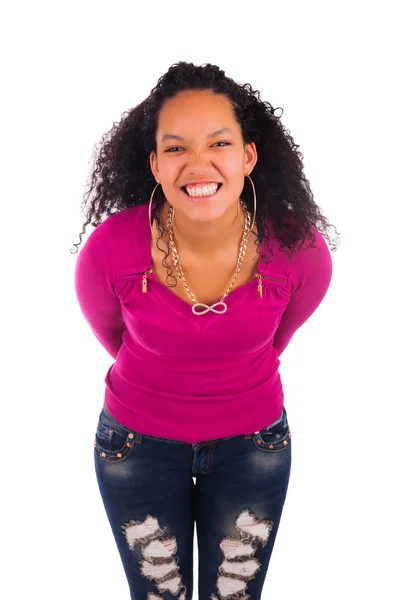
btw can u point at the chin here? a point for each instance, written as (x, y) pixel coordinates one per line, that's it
(203, 212)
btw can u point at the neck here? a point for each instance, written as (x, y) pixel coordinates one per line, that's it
(206, 239)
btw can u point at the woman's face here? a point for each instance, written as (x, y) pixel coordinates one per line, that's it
(191, 149)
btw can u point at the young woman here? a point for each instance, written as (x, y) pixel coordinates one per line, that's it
(208, 261)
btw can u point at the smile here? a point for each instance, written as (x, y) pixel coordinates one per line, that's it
(202, 192)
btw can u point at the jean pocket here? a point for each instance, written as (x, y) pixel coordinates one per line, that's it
(276, 437)
(112, 442)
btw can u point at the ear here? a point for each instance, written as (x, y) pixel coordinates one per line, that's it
(154, 166)
(250, 157)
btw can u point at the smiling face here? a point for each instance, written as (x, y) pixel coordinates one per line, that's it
(199, 140)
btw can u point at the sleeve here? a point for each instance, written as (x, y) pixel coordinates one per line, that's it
(310, 278)
(95, 290)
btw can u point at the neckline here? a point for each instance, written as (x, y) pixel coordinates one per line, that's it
(231, 298)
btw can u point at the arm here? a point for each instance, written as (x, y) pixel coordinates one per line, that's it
(94, 286)
(309, 280)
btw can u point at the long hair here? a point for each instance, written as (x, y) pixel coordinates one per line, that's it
(122, 176)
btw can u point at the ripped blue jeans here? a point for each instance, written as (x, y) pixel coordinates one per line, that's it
(151, 501)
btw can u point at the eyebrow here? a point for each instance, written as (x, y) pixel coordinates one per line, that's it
(171, 136)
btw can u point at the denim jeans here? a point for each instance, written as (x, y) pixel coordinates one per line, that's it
(151, 501)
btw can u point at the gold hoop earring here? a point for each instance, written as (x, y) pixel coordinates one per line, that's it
(254, 203)
(150, 203)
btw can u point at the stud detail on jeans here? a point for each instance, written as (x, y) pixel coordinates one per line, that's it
(159, 564)
(270, 446)
(240, 565)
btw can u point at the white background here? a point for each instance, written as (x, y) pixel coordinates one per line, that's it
(70, 70)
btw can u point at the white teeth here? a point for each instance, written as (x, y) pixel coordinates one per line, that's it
(206, 190)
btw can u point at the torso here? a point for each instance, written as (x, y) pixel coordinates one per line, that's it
(208, 278)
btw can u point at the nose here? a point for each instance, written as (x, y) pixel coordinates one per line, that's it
(198, 163)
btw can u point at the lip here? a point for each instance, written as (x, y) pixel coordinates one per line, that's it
(201, 182)
(202, 198)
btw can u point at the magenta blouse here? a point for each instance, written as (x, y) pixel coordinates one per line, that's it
(186, 377)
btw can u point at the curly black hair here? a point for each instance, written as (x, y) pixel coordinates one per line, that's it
(122, 176)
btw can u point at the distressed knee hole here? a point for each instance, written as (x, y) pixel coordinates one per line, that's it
(159, 564)
(249, 524)
(141, 531)
(239, 565)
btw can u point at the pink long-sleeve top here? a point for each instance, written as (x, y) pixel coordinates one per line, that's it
(186, 377)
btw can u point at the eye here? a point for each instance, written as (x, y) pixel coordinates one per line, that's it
(180, 147)
(173, 148)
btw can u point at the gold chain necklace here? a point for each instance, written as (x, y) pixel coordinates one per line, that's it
(204, 308)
